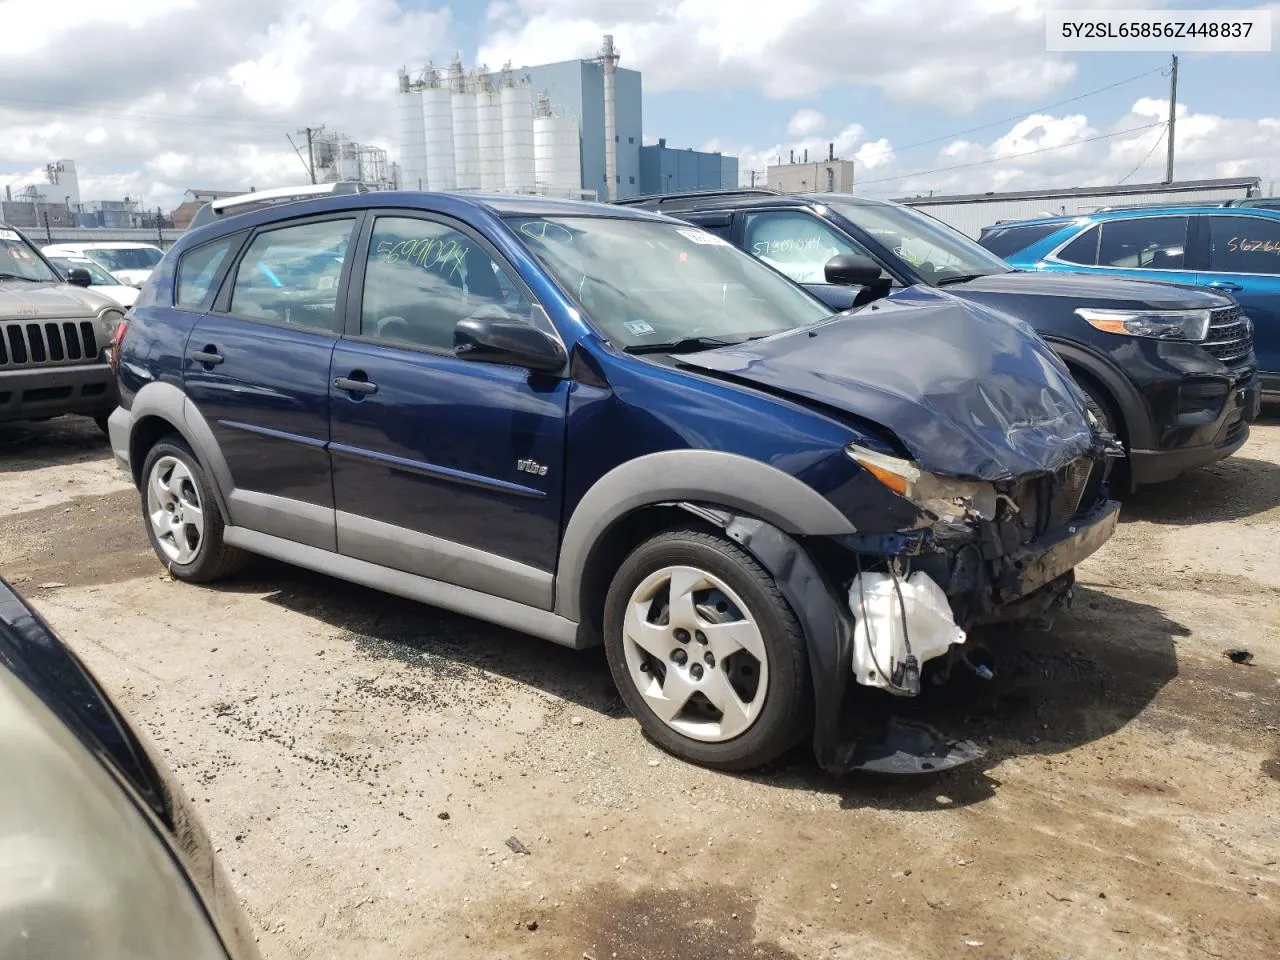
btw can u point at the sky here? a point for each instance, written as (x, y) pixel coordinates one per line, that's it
(152, 97)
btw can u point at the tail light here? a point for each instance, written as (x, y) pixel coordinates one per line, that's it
(113, 351)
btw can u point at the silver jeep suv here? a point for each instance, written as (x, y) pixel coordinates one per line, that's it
(53, 338)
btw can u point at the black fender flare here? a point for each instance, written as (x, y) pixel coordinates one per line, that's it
(1131, 407)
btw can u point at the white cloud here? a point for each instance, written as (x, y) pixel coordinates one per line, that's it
(151, 97)
(953, 54)
(806, 122)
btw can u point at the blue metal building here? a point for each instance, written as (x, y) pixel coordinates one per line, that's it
(576, 87)
(666, 170)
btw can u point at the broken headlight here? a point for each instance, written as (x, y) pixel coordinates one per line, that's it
(944, 497)
(1156, 324)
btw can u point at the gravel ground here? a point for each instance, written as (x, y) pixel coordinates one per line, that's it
(362, 761)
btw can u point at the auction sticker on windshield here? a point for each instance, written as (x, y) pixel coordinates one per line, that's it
(8, 235)
(701, 236)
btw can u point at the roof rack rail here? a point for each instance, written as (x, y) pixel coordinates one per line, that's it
(656, 200)
(257, 200)
(1161, 205)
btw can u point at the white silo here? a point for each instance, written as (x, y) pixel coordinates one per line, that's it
(437, 117)
(557, 157)
(466, 146)
(517, 135)
(489, 134)
(412, 135)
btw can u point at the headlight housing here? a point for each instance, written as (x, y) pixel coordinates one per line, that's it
(944, 497)
(1191, 325)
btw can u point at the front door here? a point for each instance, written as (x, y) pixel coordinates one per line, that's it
(1244, 261)
(446, 468)
(257, 369)
(799, 244)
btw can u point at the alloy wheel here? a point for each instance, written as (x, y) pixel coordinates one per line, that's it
(175, 511)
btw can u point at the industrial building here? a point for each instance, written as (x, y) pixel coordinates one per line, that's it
(664, 169)
(969, 213)
(335, 157)
(569, 129)
(822, 176)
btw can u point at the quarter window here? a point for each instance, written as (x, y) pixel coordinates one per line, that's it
(422, 277)
(291, 275)
(1082, 250)
(796, 243)
(1144, 243)
(1244, 245)
(197, 270)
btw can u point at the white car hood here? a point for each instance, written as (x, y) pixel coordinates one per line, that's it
(135, 278)
(121, 294)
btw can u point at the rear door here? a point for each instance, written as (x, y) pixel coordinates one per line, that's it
(257, 368)
(1244, 261)
(446, 468)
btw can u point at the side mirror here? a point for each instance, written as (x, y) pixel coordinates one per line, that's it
(79, 277)
(516, 343)
(852, 270)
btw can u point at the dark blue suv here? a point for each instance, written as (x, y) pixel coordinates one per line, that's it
(595, 425)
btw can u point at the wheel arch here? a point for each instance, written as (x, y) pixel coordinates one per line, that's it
(1085, 365)
(641, 497)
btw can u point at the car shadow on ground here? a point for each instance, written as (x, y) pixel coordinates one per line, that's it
(1232, 489)
(62, 441)
(1102, 663)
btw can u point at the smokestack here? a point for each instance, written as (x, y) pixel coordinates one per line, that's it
(793, 156)
(806, 154)
(831, 150)
(609, 60)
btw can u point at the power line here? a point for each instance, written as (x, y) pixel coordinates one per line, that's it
(1025, 114)
(1163, 131)
(1015, 156)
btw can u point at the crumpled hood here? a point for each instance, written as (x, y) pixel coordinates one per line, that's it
(1119, 292)
(969, 391)
(23, 300)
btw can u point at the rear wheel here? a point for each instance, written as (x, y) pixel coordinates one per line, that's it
(183, 521)
(705, 651)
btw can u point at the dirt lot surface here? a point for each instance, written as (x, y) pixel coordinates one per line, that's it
(361, 761)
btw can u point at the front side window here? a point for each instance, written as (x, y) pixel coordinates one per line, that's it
(797, 243)
(938, 253)
(126, 258)
(645, 283)
(422, 277)
(291, 275)
(1244, 245)
(19, 260)
(1144, 243)
(197, 271)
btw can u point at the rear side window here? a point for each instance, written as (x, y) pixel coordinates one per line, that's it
(1144, 243)
(1082, 250)
(198, 269)
(1244, 245)
(1006, 241)
(291, 275)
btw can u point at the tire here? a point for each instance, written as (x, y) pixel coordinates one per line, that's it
(734, 635)
(101, 421)
(182, 517)
(1101, 405)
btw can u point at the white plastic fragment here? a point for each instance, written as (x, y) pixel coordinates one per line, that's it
(879, 638)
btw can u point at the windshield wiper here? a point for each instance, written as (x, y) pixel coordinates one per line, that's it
(18, 276)
(684, 345)
(962, 278)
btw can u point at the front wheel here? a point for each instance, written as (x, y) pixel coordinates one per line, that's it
(706, 653)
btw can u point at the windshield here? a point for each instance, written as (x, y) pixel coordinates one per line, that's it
(97, 274)
(19, 259)
(934, 250)
(644, 282)
(126, 258)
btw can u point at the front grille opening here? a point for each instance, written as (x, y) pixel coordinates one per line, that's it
(35, 343)
(53, 340)
(89, 339)
(17, 345)
(72, 335)
(93, 389)
(39, 394)
(1229, 339)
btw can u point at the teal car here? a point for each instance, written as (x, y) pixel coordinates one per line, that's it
(1234, 250)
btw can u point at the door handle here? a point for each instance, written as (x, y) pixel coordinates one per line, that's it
(357, 387)
(209, 355)
(1227, 285)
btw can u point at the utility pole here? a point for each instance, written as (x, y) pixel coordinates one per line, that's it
(48, 236)
(310, 133)
(1173, 107)
(753, 178)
